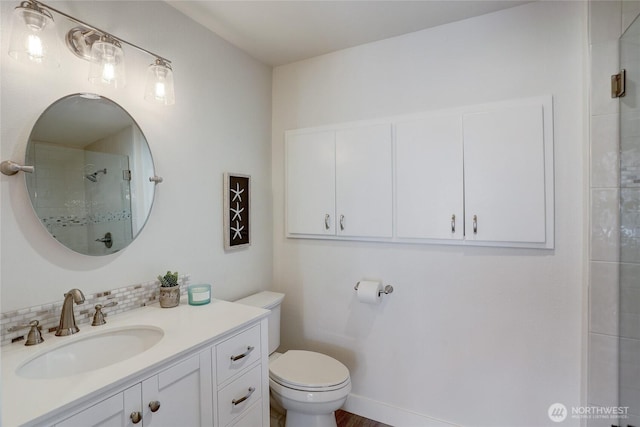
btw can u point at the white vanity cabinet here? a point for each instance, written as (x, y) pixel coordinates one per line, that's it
(339, 182)
(114, 411)
(178, 395)
(224, 384)
(239, 376)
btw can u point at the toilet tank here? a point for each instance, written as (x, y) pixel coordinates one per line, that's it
(269, 301)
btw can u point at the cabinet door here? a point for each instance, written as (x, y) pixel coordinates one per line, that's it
(310, 183)
(429, 178)
(184, 394)
(364, 181)
(112, 412)
(504, 174)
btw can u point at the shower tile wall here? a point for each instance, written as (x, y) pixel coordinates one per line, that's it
(614, 299)
(61, 173)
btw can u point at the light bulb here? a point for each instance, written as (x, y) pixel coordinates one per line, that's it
(34, 48)
(108, 72)
(161, 90)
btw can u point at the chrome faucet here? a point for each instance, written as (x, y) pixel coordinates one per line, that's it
(67, 324)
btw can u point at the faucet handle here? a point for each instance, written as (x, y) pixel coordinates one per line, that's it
(34, 336)
(98, 317)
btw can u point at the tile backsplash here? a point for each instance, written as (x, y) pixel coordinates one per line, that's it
(127, 298)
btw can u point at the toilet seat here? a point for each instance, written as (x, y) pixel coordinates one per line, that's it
(308, 371)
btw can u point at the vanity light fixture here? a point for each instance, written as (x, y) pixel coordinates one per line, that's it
(33, 35)
(159, 88)
(107, 62)
(33, 40)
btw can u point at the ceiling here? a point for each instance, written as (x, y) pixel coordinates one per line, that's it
(280, 32)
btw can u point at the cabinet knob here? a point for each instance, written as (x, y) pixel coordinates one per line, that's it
(154, 405)
(327, 217)
(136, 417)
(453, 223)
(475, 224)
(341, 222)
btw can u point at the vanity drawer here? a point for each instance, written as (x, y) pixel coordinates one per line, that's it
(252, 418)
(236, 353)
(237, 397)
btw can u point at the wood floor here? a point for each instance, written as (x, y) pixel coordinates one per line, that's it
(346, 419)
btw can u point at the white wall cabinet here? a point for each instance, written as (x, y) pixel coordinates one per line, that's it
(480, 175)
(504, 167)
(311, 174)
(198, 389)
(339, 182)
(429, 178)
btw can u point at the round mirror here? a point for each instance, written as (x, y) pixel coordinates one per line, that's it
(90, 187)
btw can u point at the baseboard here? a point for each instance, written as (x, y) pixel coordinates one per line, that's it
(389, 414)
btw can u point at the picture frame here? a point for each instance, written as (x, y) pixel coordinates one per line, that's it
(237, 212)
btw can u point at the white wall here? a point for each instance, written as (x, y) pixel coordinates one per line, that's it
(221, 122)
(472, 336)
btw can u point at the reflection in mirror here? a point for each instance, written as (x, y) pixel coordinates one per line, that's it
(91, 187)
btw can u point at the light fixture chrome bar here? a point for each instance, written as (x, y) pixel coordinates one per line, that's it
(41, 5)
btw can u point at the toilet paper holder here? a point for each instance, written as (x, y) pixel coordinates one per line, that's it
(388, 289)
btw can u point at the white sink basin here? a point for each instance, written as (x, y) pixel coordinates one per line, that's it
(91, 352)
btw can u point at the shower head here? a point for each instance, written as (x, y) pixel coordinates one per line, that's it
(93, 177)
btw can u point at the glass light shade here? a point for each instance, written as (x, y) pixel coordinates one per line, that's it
(159, 86)
(33, 37)
(107, 63)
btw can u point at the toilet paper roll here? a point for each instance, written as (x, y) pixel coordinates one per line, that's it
(369, 292)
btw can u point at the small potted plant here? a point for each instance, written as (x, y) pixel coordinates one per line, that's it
(169, 290)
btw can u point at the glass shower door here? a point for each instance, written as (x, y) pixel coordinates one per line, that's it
(629, 270)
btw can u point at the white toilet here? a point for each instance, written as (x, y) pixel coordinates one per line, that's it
(310, 386)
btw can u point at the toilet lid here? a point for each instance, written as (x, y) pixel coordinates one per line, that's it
(308, 369)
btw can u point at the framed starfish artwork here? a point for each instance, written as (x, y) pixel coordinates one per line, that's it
(237, 195)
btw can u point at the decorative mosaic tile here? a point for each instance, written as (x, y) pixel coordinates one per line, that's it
(127, 298)
(74, 220)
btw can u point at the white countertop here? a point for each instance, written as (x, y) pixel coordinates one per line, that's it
(25, 401)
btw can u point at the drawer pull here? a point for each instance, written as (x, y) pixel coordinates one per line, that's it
(236, 402)
(243, 355)
(136, 417)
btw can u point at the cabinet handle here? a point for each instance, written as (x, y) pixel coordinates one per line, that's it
(326, 221)
(475, 224)
(341, 222)
(154, 405)
(453, 223)
(240, 356)
(236, 402)
(136, 417)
